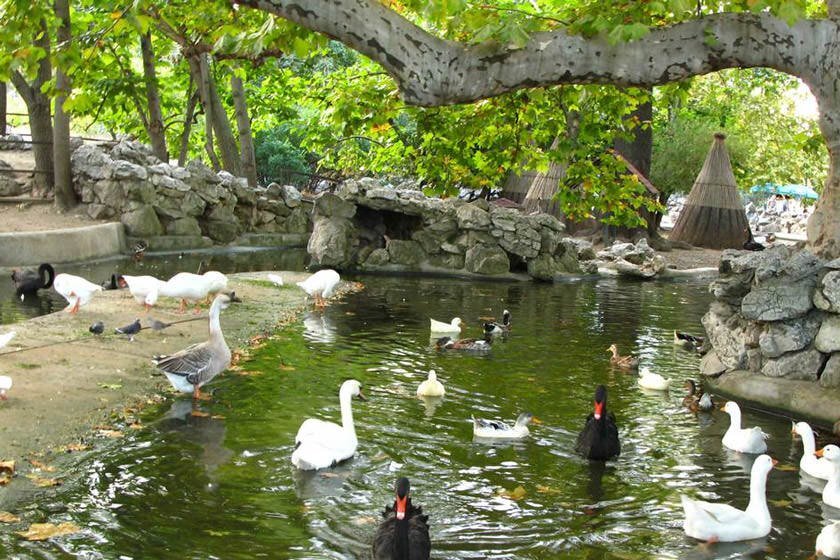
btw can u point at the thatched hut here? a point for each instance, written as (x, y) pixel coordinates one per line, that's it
(713, 215)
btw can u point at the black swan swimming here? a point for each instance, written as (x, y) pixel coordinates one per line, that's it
(599, 439)
(28, 282)
(404, 535)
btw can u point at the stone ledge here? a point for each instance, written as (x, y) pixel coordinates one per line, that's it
(61, 245)
(272, 240)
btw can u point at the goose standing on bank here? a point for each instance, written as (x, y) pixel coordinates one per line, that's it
(723, 523)
(494, 429)
(404, 535)
(186, 286)
(320, 444)
(28, 282)
(145, 289)
(831, 492)
(598, 441)
(216, 283)
(7, 338)
(818, 467)
(745, 440)
(321, 285)
(76, 290)
(194, 366)
(431, 387)
(5, 385)
(828, 541)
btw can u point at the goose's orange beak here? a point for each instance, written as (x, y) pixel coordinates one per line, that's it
(401, 506)
(819, 452)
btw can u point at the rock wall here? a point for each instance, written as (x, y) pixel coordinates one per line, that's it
(151, 198)
(775, 313)
(368, 226)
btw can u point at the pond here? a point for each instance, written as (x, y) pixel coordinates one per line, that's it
(222, 485)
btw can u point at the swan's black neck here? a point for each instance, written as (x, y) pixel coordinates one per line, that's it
(48, 269)
(401, 533)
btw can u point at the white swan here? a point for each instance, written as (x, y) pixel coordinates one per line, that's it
(831, 492)
(493, 429)
(724, 523)
(745, 440)
(7, 338)
(431, 387)
(321, 285)
(186, 286)
(76, 290)
(810, 463)
(453, 326)
(828, 541)
(145, 289)
(320, 444)
(5, 385)
(650, 380)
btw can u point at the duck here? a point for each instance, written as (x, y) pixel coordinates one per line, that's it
(624, 362)
(196, 365)
(404, 534)
(452, 327)
(76, 290)
(145, 289)
(744, 440)
(831, 492)
(5, 385)
(495, 329)
(28, 282)
(651, 380)
(7, 338)
(275, 279)
(723, 523)
(186, 286)
(598, 441)
(216, 283)
(466, 344)
(688, 341)
(431, 387)
(320, 444)
(694, 401)
(138, 251)
(828, 541)
(494, 429)
(321, 285)
(810, 463)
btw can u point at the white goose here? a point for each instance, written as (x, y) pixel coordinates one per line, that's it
(494, 429)
(831, 492)
(319, 444)
(453, 326)
(216, 282)
(431, 387)
(810, 463)
(650, 380)
(186, 286)
(745, 440)
(145, 289)
(828, 541)
(76, 290)
(321, 285)
(7, 338)
(5, 385)
(724, 523)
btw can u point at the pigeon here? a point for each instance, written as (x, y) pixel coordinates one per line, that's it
(97, 328)
(130, 330)
(5, 385)
(157, 325)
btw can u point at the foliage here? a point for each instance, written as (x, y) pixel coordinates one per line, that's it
(280, 157)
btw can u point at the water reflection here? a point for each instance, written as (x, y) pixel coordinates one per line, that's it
(199, 428)
(318, 327)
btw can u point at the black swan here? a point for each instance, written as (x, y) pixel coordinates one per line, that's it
(599, 439)
(28, 281)
(404, 535)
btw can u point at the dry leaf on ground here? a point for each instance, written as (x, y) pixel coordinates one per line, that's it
(6, 517)
(42, 481)
(41, 466)
(71, 447)
(44, 531)
(111, 433)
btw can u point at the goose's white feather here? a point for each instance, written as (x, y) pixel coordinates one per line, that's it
(75, 289)
(7, 338)
(186, 285)
(276, 279)
(145, 289)
(216, 281)
(828, 541)
(494, 429)
(321, 284)
(831, 492)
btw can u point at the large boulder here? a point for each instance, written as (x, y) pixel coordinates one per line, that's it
(788, 336)
(91, 162)
(377, 257)
(332, 206)
(778, 302)
(332, 242)
(543, 267)
(9, 186)
(471, 216)
(142, 222)
(109, 193)
(795, 365)
(447, 260)
(405, 252)
(486, 259)
(827, 294)
(184, 226)
(828, 337)
(727, 334)
(831, 372)
(298, 220)
(125, 170)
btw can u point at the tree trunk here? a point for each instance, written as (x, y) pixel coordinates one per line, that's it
(215, 117)
(189, 115)
(2, 108)
(639, 152)
(65, 196)
(243, 124)
(156, 131)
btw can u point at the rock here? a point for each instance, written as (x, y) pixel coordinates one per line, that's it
(142, 222)
(795, 365)
(200, 174)
(831, 373)
(100, 211)
(732, 287)
(404, 252)
(788, 336)
(183, 226)
(828, 337)
(447, 260)
(727, 333)
(290, 195)
(710, 364)
(470, 216)
(9, 186)
(134, 152)
(452, 248)
(540, 221)
(90, 161)
(777, 302)
(524, 242)
(109, 193)
(827, 295)
(298, 220)
(543, 267)
(140, 191)
(377, 257)
(583, 247)
(486, 259)
(647, 269)
(332, 241)
(128, 170)
(331, 206)
(221, 231)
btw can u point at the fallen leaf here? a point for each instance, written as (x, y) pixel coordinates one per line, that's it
(328, 475)
(364, 520)
(43, 482)
(7, 467)
(135, 426)
(218, 417)
(111, 433)
(780, 503)
(350, 313)
(286, 367)
(547, 489)
(44, 531)
(516, 494)
(41, 466)
(5, 478)
(6, 517)
(199, 414)
(213, 533)
(248, 373)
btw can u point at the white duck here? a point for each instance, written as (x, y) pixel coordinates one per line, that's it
(810, 463)
(493, 429)
(431, 387)
(453, 326)
(145, 289)
(831, 492)
(828, 541)
(650, 380)
(5, 385)
(187, 287)
(724, 523)
(7, 338)
(216, 282)
(76, 290)
(321, 285)
(745, 440)
(320, 444)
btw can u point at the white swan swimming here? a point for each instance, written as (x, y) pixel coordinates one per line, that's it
(745, 440)
(810, 463)
(320, 444)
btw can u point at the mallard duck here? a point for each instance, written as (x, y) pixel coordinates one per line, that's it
(810, 463)
(624, 362)
(28, 282)
(186, 286)
(138, 251)
(404, 535)
(723, 523)
(76, 290)
(5, 385)
(688, 341)
(453, 326)
(495, 329)
(828, 541)
(145, 289)
(694, 401)
(321, 285)
(7, 338)
(466, 344)
(831, 492)
(745, 440)
(598, 441)
(431, 387)
(320, 444)
(494, 429)
(654, 381)
(194, 366)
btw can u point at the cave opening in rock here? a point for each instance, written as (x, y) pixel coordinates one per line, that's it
(375, 225)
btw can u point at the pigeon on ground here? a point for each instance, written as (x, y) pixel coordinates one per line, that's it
(157, 325)
(130, 330)
(97, 328)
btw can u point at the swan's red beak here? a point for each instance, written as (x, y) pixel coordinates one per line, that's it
(819, 452)
(401, 506)
(599, 410)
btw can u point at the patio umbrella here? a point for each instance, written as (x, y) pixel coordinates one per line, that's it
(796, 191)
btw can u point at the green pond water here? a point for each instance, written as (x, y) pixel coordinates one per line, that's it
(223, 486)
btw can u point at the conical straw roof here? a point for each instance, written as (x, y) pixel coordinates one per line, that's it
(713, 215)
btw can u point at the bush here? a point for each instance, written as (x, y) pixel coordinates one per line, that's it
(280, 158)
